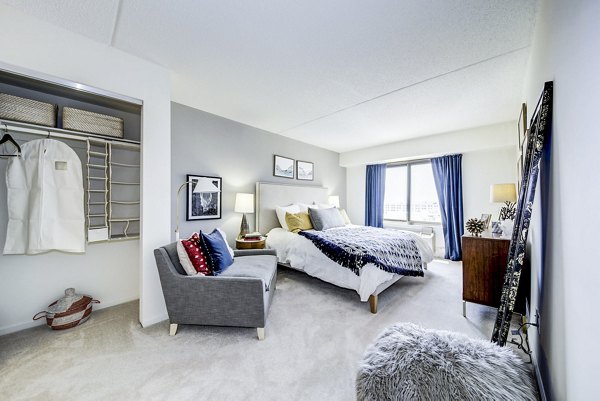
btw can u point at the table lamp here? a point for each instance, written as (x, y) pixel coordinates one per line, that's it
(334, 200)
(507, 194)
(244, 203)
(202, 186)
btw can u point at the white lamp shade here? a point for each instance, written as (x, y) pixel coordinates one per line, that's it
(334, 200)
(500, 193)
(244, 203)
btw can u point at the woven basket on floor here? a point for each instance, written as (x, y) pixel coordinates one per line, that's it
(18, 108)
(69, 311)
(93, 123)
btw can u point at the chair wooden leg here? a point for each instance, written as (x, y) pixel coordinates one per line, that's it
(173, 329)
(373, 303)
(261, 333)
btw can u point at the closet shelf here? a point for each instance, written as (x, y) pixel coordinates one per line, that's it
(123, 237)
(125, 220)
(125, 165)
(98, 178)
(125, 202)
(97, 203)
(124, 183)
(96, 227)
(97, 215)
(97, 154)
(96, 166)
(66, 134)
(97, 190)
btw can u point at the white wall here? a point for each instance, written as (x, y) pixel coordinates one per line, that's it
(564, 235)
(28, 284)
(481, 167)
(480, 138)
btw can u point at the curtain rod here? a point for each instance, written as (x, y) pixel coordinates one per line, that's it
(64, 134)
(412, 161)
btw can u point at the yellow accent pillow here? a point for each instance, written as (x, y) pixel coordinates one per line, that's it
(298, 222)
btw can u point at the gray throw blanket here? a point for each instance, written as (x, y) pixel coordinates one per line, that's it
(353, 247)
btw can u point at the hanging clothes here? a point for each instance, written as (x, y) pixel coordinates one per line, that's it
(45, 199)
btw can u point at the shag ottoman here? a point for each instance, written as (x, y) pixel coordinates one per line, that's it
(408, 362)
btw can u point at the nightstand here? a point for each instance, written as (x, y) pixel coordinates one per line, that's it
(242, 244)
(484, 266)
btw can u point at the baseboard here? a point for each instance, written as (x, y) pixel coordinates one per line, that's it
(27, 325)
(540, 382)
(154, 320)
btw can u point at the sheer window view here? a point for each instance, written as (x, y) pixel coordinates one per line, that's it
(411, 200)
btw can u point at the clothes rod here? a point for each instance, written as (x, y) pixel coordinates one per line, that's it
(64, 134)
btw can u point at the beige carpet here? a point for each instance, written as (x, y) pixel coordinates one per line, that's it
(315, 336)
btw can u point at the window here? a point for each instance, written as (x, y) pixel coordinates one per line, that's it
(410, 193)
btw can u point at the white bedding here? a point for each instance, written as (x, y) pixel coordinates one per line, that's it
(301, 254)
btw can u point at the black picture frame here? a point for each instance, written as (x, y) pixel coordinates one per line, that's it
(203, 205)
(486, 218)
(305, 171)
(283, 167)
(522, 134)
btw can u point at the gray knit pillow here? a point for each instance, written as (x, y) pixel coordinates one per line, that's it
(323, 219)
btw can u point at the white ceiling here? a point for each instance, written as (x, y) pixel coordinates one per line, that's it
(341, 74)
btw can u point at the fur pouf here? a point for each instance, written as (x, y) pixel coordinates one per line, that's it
(408, 362)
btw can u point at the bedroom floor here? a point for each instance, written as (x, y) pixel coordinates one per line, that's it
(315, 337)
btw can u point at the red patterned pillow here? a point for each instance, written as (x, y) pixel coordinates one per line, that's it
(196, 255)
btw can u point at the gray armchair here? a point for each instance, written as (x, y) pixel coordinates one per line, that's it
(240, 296)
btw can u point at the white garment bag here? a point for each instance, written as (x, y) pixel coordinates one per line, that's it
(45, 199)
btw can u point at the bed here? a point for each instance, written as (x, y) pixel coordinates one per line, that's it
(300, 253)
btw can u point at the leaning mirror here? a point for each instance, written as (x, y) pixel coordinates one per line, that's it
(540, 126)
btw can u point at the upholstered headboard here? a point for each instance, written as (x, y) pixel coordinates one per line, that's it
(269, 195)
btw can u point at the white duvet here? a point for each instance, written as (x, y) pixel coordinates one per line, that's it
(301, 254)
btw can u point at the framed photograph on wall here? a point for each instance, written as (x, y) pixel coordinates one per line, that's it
(305, 170)
(283, 167)
(203, 197)
(485, 218)
(522, 138)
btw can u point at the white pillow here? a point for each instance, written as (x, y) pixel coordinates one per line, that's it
(345, 216)
(324, 206)
(225, 239)
(303, 207)
(282, 210)
(185, 261)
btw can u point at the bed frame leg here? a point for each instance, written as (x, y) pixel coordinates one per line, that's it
(172, 329)
(260, 331)
(373, 302)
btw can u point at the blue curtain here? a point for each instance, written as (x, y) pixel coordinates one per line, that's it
(447, 173)
(375, 192)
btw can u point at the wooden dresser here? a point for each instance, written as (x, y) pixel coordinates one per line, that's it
(484, 266)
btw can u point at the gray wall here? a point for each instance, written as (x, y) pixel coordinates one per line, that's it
(206, 144)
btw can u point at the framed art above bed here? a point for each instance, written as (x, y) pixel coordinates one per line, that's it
(305, 171)
(283, 167)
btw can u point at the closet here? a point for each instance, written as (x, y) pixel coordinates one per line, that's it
(111, 165)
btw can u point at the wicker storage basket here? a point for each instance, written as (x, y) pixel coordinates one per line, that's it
(93, 123)
(26, 110)
(69, 311)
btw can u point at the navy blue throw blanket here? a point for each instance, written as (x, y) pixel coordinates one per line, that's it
(353, 247)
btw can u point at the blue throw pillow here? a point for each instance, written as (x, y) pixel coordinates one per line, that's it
(217, 249)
